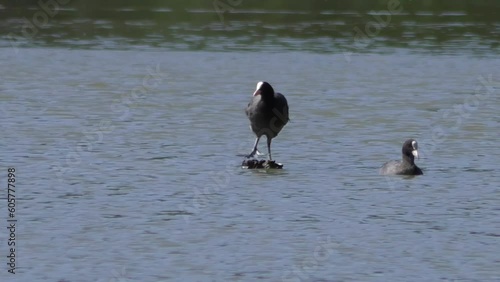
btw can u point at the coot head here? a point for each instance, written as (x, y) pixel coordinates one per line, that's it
(264, 89)
(410, 149)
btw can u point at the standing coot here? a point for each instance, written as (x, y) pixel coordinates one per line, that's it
(268, 114)
(406, 166)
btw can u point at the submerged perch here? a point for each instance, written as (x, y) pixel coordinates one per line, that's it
(266, 164)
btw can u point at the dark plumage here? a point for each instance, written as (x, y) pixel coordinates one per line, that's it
(407, 165)
(268, 114)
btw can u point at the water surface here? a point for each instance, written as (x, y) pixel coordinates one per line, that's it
(126, 152)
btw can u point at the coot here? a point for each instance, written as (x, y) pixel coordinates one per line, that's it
(406, 166)
(268, 114)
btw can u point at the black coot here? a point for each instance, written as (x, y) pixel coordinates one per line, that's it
(268, 114)
(406, 166)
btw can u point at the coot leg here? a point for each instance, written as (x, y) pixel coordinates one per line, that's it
(269, 148)
(254, 148)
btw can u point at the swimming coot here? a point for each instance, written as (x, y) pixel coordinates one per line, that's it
(268, 114)
(406, 166)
